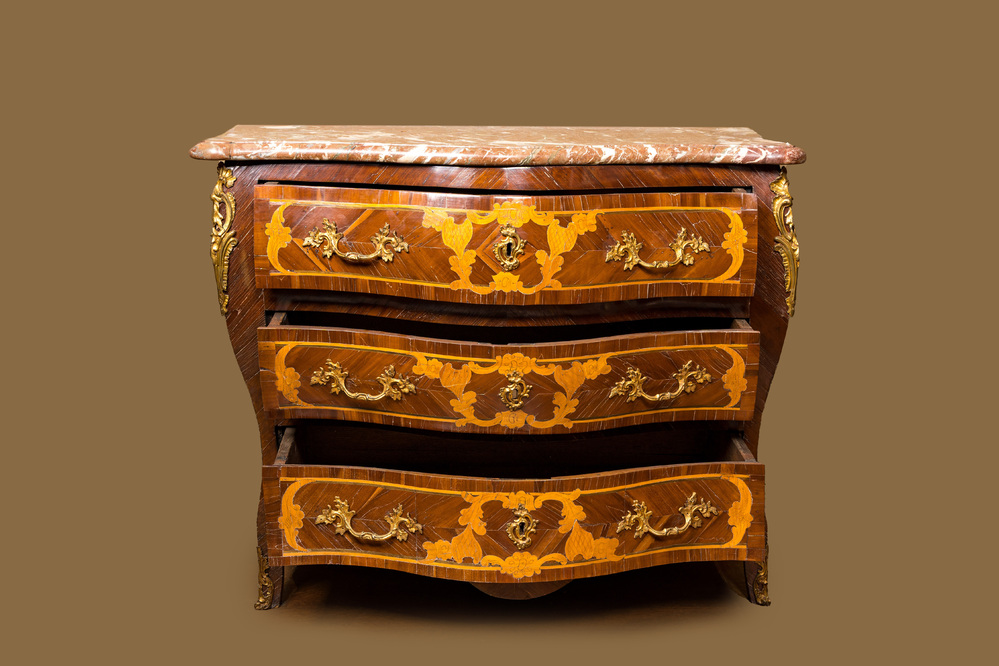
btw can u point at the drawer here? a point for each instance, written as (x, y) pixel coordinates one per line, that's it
(505, 249)
(550, 387)
(514, 530)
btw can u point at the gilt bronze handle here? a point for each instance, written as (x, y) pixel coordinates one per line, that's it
(638, 518)
(628, 247)
(336, 377)
(688, 378)
(400, 526)
(386, 241)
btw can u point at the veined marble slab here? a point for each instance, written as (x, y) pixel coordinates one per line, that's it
(498, 146)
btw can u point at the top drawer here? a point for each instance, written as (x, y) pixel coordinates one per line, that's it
(503, 249)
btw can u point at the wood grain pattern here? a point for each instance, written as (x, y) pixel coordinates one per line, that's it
(464, 520)
(764, 306)
(458, 385)
(450, 236)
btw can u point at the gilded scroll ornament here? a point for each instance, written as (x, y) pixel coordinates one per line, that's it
(514, 393)
(628, 247)
(339, 515)
(688, 379)
(327, 240)
(786, 244)
(223, 235)
(760, 590)
(509, 247)
(638, 518)
(521, 527)
(334, 375)
(265, 595)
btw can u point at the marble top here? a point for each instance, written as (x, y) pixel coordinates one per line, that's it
(498, 146)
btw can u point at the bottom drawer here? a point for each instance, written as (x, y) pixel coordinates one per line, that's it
(490, 530)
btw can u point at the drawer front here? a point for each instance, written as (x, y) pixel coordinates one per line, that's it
(542, 388)
(505, 249)
(515, 530)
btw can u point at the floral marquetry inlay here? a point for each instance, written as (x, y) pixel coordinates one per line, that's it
(509, 249)
(529, 400)
(580, 545)
(528, 515)
(514, 367)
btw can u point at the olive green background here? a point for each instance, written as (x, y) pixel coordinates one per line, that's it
(132, 465)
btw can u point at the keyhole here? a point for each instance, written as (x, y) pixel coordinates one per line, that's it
(521, 529)
(514, 394)
(508, 249)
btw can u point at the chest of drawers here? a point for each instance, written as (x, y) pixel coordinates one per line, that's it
(507, 356)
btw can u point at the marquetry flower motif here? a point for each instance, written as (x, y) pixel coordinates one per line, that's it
(515, 363)
(583, 222)
(291, 518)
(739, 515)
(506, 282)
(434, 218)
(514, 500)
(735, 238)
(439, 550)
(279, 234)
(288, 383)
(735, 381)
(520, 565)
(428, 367)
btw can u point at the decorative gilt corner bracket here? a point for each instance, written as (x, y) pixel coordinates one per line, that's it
(265, 586)
(400, 526)
(760, 590)
(786, 244)
(628, 247)
(638, 518)
(336, 377)
(688, 378)
(223, 235)
(327, 241)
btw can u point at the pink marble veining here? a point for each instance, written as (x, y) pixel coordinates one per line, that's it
(498, 146)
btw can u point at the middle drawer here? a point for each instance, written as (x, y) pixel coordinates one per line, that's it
(624, 380)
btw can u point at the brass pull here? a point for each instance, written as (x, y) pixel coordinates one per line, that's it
(638, 518)
(521, 527)
(628, 247)
(509, 247)
(688, 378)
(514, 393)
(336, 377)
(386, 241)
(400, 526)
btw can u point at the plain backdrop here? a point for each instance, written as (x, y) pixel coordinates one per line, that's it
(132, 466)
